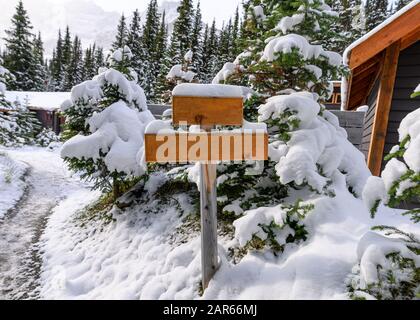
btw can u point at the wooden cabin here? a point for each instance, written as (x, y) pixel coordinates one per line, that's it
(334, 103)
(384, 71)
(45, 105)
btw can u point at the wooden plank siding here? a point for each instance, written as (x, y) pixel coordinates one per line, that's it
(408, 77)
(368, 122)
(352, 122)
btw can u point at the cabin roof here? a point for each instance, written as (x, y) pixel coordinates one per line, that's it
(365, 56)
(49, 101)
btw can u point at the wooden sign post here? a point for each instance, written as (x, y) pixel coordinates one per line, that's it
(207, 147)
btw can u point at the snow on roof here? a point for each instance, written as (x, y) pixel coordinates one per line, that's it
(208, 90)
(49, 101)
(399, 13)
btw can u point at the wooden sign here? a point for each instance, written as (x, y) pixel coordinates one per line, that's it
(211, 107)
(206, 147)
(207, 111)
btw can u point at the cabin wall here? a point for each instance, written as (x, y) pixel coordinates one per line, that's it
(407, 79)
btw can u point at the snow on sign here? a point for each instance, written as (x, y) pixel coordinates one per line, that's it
(206, 106)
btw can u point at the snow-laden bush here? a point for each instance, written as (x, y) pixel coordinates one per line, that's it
(285, 58)
(179, 73)
(400, 180)
(106, 119)
(18, 125)
(389, 266)
(290, 74)
(46, 137)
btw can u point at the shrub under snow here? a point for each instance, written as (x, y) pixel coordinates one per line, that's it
(106, 119)
(400, 179)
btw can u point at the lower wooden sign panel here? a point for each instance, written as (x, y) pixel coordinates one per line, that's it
(205, 147)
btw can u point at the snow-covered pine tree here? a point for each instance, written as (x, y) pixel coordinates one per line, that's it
(122, 33)
(57, 65)
(149, 37)
(210, 58)
(181, 36)
(164, 59)
(8, 126)
(99, 58)
(235, 43)
(89, 69)
(392, 273)
(134, 41)
(350, 24)
(67, 48)
(196, 40)
(400, 180)
(19, 58)
(40, 77)
(28, 124)
(279, 64)
(225, 45)
(105, 121)
(376, 12)
(281, 57)
(179, 73)
(74, 70)
(399, 4)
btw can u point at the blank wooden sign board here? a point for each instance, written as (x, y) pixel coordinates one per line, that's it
(207, 111)
(207, 106)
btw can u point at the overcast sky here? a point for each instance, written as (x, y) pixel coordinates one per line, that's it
(219, 9)
(96, 20)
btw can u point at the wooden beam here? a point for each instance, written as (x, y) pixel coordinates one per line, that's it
(410, 39)
(205, 147)
(369, 64)
(383, 38)
(207, 111)
(383, 107)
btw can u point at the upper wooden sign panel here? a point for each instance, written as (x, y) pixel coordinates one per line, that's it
(207, 105)
(207, 111)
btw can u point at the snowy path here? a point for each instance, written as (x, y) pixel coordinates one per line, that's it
(48, 184)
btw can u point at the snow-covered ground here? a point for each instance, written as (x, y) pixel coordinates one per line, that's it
(145, 254)
(47, 183)
(12, 184)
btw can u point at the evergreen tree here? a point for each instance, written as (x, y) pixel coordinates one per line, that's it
(235, 41)
(19, 58)
(40, 76)
(57, 65)
(74, 71)
(67, 48)
(196, 39)
(181, 36)
(89, 65)
(376, 13)
(350, 25)
(121, 37)
(99, 58)
(225, 45)
(104, 97)
(18, 125)
(210, 59)
(134, 41)
(164, 61)
(179, 73)
(149, 40)
(276, 62)
(399, 4)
